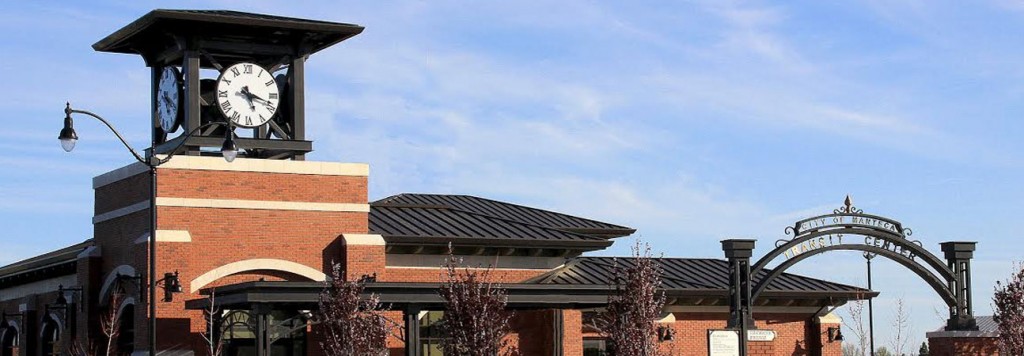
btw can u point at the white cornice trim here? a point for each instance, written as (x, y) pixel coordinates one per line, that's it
(166, 236)
(256, 265)
(363, 239)
(119, 174)
(238, 165)
(91, 251)
(116, 213)
(261, 204)
(268, 166)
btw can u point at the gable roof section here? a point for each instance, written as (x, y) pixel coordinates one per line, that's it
(507, 212)
(680, 274)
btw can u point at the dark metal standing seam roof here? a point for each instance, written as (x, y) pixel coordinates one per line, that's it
(441, 225)
(682, 274)
(509, 212)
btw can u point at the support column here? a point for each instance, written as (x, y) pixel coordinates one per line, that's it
(958, 257)
(411, 315)
(738, 252)
(558, 328)
(261, 312)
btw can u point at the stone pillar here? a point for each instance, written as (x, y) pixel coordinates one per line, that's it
(363, 256)
(958, 257)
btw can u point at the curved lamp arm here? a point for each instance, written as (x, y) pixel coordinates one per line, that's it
(69, 137)
(68, 124)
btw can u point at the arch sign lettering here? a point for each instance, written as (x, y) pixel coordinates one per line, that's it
(850, 229)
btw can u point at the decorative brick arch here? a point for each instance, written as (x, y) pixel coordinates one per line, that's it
(112, 279)
(256, 265)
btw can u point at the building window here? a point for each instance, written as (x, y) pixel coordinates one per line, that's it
(126, 330)
(9, 341)
(286, 335)
(596, 347)
(50, 337)
(430, 333)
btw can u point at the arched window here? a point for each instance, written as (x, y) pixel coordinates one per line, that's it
(49, 337)
(126, 330)
(8, 340)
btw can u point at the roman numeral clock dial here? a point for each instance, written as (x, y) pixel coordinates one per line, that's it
(247, 94)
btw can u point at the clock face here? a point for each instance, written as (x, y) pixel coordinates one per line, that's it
(168, 98)
(247, 94)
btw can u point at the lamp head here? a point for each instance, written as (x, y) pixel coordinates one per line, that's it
(67, 136)
(229, 149)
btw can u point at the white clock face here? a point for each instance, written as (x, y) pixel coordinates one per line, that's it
(168, 99)
(247, 94)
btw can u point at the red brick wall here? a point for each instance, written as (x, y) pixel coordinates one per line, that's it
(572, 332)
(796, 334)
(222, 236)
(963, 346)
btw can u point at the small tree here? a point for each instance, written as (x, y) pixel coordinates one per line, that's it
(628, 321)
(882, 351)
(901, 328)
(110, 327)
(475, 320)
(855, 323)
(110, 324)
(923, 351)
(210, 314)
(1009, 313)
(351, 324)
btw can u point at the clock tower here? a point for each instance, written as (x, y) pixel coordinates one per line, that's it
(215, 71)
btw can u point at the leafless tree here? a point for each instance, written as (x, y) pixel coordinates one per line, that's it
(1009, 313)
(210, 314)
(855, 311)
(350, 323)
(900, 328)
(628, 321)
(475, 320)
(110, 326)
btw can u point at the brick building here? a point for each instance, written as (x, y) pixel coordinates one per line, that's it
(260, 232)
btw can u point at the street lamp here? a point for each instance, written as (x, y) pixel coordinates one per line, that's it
(68, 138)
(871, 310)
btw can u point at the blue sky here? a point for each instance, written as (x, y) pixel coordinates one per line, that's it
(692, 121)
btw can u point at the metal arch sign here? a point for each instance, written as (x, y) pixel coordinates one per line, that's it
(848, 228)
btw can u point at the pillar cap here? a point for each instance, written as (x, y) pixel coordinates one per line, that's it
(958, 249)
(738, 248)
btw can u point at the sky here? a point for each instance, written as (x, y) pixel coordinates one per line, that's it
(691, 121)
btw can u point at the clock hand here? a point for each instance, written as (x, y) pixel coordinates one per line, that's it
(248, 96)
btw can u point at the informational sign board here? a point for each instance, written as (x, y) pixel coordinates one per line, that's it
(723, 343)
(760, 335)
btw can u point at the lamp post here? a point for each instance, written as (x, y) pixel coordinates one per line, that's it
(68, 138)
(871, 312)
